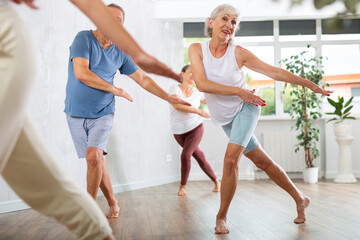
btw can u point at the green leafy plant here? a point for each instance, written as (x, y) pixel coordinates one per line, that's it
(305, 103)
(268, 94)
(342, 111)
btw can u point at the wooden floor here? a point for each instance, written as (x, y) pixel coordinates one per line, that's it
(260, 210)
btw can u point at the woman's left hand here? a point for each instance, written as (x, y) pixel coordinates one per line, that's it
(317, 89)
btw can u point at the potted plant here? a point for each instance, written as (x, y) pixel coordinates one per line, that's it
(342, 130)
(342, 111)
(305, 106)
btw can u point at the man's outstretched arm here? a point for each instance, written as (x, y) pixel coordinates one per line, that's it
(98, 13)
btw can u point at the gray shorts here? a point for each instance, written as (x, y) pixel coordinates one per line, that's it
(241, 129)
(90, 132)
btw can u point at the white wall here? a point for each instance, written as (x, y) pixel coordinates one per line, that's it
(141, 135)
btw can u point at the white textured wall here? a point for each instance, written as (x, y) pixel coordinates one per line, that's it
(141, 135)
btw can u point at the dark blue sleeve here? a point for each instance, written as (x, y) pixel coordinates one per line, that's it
(128, 67)
(80, 46)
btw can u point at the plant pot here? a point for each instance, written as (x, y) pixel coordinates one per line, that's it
(311, 175)
(342, 129)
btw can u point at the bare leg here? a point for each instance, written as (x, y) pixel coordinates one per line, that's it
(279, 176)
(228, 185)
(182, 190)
(46, 187)
(217, 186)
(107, 189)
(94, 170)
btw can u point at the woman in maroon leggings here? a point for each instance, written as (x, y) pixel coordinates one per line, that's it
(187, 127)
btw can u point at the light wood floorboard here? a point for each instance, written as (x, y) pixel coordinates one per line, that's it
(260, 210)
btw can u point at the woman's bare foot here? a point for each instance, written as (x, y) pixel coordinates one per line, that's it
(217, 186)
(182, 190)
(300, 208)
(114, 211)
(221, 227)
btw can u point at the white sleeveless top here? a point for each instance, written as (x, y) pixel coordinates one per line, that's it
(225, 71)
(182, 122)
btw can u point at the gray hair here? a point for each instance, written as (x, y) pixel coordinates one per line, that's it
(113, 5)
(216, 12)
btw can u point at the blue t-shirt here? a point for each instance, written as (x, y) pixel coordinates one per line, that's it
(82, 100)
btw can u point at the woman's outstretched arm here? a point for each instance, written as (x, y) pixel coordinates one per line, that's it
(249, 60)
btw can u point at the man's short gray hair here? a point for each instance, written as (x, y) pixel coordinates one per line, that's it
(113, 5)
(216, 12)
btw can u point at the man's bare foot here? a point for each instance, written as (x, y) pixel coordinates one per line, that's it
(300, 208)
(182, 190)
(113, 212)
(221, 227)
(217, 186)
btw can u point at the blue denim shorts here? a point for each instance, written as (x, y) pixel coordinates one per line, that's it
(241, 129)
(90, 132)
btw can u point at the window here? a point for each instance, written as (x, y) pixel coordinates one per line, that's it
(263, 85)
(355, 92)
(297, 30)
(350, 30)
(287, 53)
(274, 40)
(342, 71)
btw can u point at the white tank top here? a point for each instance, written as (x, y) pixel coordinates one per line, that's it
(225, 71)
(182, 122)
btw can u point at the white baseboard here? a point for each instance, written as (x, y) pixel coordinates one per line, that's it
(143, 184)
(259, 174)
(333, 174)
(13, 205)
(247, 176)
(204, 177)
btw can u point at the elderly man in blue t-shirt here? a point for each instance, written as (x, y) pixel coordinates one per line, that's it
(90, 101)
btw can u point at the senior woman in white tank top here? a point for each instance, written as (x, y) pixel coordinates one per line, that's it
(217, 68)
(187, 127)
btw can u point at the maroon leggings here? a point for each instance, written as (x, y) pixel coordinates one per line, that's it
(190, 141)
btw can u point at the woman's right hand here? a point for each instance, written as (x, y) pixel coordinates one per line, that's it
(203, 113)
(249, 97)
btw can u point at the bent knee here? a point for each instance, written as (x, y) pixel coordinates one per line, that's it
(186, 156)
(94, 157)
(263, 165)
(230, 165)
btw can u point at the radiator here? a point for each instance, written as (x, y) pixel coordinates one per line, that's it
(281, 148)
